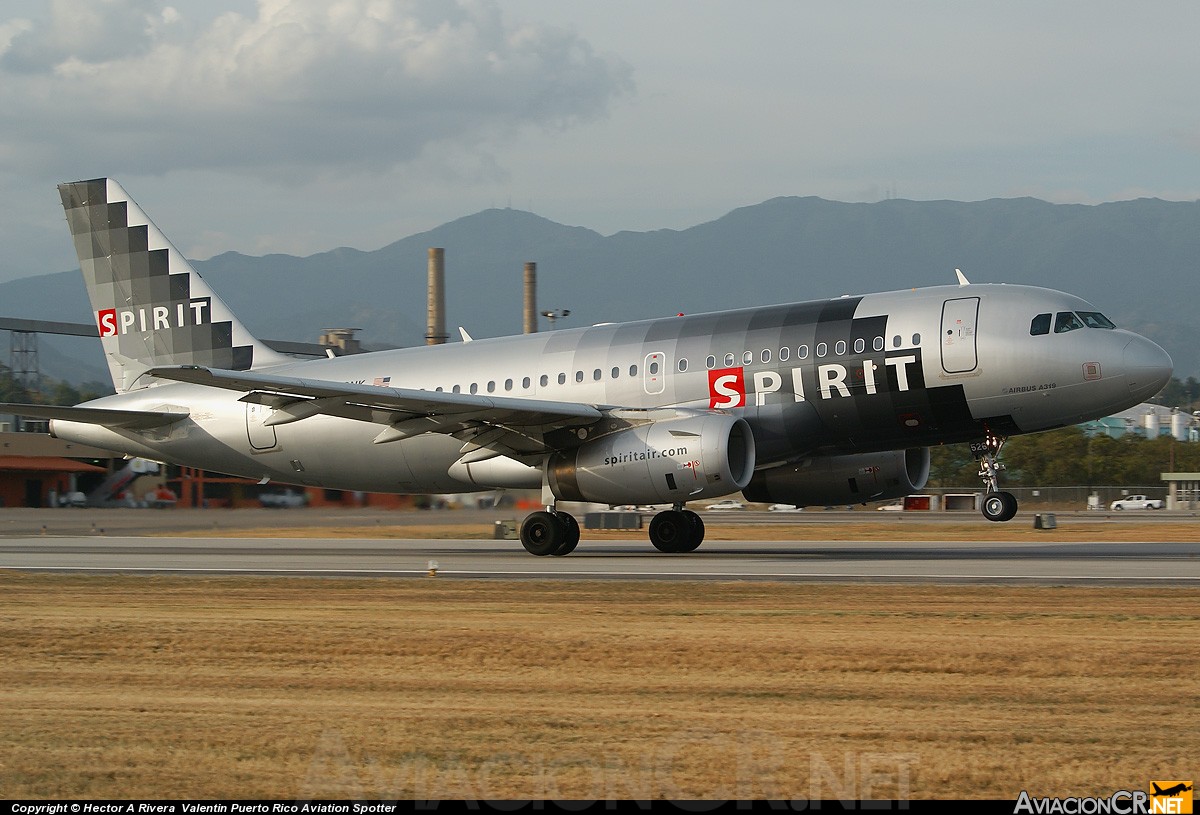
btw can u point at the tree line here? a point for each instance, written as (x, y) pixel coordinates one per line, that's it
(1070, 457)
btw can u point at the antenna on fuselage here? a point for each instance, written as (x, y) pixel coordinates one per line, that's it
(962, 278)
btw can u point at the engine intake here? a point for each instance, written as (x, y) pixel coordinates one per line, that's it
(854, 479)
(665, 461)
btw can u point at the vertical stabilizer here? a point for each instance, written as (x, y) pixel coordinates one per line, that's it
(151, 306)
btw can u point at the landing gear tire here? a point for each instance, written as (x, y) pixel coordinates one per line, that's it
(572, 540)
(999, 506)
(697, 530)
(542, 533)
(675, 530)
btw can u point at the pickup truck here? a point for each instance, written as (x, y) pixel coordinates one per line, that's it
(1137, 502)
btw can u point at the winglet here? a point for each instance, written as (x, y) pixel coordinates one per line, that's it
(962, 278)
(465, 336)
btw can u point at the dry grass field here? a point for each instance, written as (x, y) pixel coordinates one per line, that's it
(431, 688)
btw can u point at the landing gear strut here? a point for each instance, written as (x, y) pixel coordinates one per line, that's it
(550, 533)
(676, 530)
(997, 505)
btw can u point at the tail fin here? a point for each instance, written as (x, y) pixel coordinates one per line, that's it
(152, 307)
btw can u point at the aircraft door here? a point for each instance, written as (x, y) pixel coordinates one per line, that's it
(654, 373)
(958, 335)
(261, 437)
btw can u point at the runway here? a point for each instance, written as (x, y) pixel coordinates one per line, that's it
(809, 561)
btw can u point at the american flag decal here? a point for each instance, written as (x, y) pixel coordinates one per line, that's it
(382, 381)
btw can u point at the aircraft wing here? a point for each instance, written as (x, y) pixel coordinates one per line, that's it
(124, 419)
(500, 424)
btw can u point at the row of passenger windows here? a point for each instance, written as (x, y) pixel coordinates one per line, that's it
(802, 352)
(1066, 321)
(747, 358)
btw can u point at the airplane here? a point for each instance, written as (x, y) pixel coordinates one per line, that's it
(1170, 792)
(821, 402)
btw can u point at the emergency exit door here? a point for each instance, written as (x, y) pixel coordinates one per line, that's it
(262, 437)
(958, 335)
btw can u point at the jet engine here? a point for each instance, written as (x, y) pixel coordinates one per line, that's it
(665, 461)
(852, 479)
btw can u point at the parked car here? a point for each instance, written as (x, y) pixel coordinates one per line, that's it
(728, 503)
(283, 500)
(895, 506)
(784, 508)
(1137, 502)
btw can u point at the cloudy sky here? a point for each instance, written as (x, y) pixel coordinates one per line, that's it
(299, 126)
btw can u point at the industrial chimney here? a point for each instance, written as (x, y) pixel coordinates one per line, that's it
(436, 324)
(531, 315)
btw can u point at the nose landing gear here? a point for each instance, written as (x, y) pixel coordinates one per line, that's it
(997, 505)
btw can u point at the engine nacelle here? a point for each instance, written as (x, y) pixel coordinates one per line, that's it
(831, 480)
(665, 461)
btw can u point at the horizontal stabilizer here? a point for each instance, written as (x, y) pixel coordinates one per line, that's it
(124, 419)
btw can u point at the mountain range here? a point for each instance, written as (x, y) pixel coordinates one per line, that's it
(1136, 261)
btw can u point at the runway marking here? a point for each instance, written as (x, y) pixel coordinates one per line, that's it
(599, 574)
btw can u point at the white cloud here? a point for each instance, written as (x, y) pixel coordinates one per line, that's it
(134, 85)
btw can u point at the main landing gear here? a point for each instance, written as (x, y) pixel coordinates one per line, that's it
(677, 530)
(550, 532)
(997, 505)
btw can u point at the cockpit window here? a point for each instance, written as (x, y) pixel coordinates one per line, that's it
(1040, 325)
(1094, 319)
(1066, 321)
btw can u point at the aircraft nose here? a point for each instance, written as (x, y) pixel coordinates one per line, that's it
(1147, 368)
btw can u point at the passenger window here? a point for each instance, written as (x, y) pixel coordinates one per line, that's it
(916, 340)
(1040, 325)
(654, 369)
(474, 388)
(729, 360)
(802, 352)
(508, 384)
(840, 348)
(438, 389)
(878, 345)
(766, 355)
(596, 374)
(1066, 321)
(1094, 319)
(822, 349)
(616, 373)
(633, 370)
(860, 345)
(711, 362)
(525, 383)
(682, 364)
(491, 387)
(896, 341)
(747, 357)
(544, 381)
(562, 379)
(579, 376)
(784, 353)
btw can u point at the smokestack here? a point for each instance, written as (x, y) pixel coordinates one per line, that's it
(531, 315)
(436, 324)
